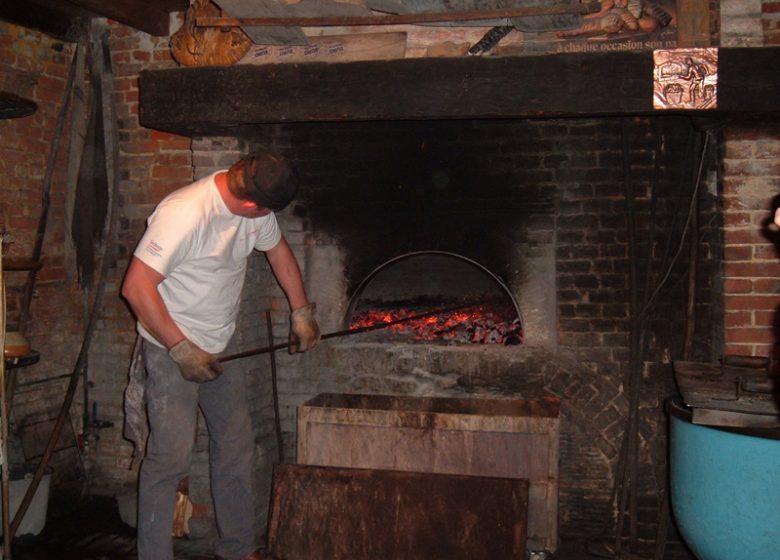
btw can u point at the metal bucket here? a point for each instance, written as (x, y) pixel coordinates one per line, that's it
(724, 489)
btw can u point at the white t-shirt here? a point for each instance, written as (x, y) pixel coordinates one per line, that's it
(201, 248)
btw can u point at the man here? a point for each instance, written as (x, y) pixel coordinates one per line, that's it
(184, 285)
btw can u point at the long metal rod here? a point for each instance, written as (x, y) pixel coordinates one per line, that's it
(43, 220)
(350, 332)
(275, 390)
(396, 19)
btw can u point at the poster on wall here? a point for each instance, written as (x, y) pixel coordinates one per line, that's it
(617, 25)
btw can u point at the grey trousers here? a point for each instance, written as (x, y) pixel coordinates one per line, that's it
(172, 406)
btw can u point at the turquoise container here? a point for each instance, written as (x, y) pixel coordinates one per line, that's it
(725, 489)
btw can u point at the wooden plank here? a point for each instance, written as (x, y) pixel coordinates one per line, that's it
(572, 84)
(398, 19)
(728, 388)
(320, 513)
(332, 48)
(290, 34)
(729, 419)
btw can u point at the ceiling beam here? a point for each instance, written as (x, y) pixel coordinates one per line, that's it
(150, 16)
(60, 20)
(65, 19)
(222, 100)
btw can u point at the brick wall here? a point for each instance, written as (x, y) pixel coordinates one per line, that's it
(36, 68)
(151, 164)
(751, 186)
(770, 21)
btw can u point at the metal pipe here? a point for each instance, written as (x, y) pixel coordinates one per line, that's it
(350, 332)
(275, 390)
(4, 463)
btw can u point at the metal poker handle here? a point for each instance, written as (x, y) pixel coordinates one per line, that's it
(348, 332)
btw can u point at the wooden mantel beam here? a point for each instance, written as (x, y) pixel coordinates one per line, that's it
(222, 100)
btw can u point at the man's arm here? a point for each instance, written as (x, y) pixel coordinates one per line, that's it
(304, 331)
(288, 274)
(140, 290)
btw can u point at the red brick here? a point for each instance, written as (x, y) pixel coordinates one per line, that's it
(125, 84)
(175, 173)
(129, 97)
(737, 219)
(738, 319)
(767, 148)
(742, 302)
(759, 335)
(768, 269)
(767, 318)
(748, 236)
(767, 286)
(159, 135)
(738, 253)
(174, 142)
(766, 252)
(752, 167)
(737, 349)
(737, 286)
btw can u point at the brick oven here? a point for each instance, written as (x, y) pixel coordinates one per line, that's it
(579, 204)
(537, 208)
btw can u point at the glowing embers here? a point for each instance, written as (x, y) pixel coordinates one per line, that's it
(483, 323)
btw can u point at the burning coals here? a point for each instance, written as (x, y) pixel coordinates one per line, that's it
(478, 324)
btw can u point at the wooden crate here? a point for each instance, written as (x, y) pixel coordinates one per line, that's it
(333, 513)
(508, 438)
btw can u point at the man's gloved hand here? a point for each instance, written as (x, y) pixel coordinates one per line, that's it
(304, 330)
(195, 364)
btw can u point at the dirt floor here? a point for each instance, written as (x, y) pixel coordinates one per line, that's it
(95, 531)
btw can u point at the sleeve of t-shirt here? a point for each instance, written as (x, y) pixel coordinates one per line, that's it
(167, 238)
(270, 234)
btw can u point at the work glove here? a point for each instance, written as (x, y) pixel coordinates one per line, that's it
(304, 331)
(195, 364)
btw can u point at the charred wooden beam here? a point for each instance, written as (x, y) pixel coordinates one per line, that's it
(62, 20)
(151, 16)
(65, 19)
(220, 100)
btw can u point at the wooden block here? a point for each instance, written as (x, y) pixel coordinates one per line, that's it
(721, 387)
(332, 513)
(334, 48)
(514, 438)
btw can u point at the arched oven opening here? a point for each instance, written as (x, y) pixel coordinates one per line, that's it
(435, 297)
